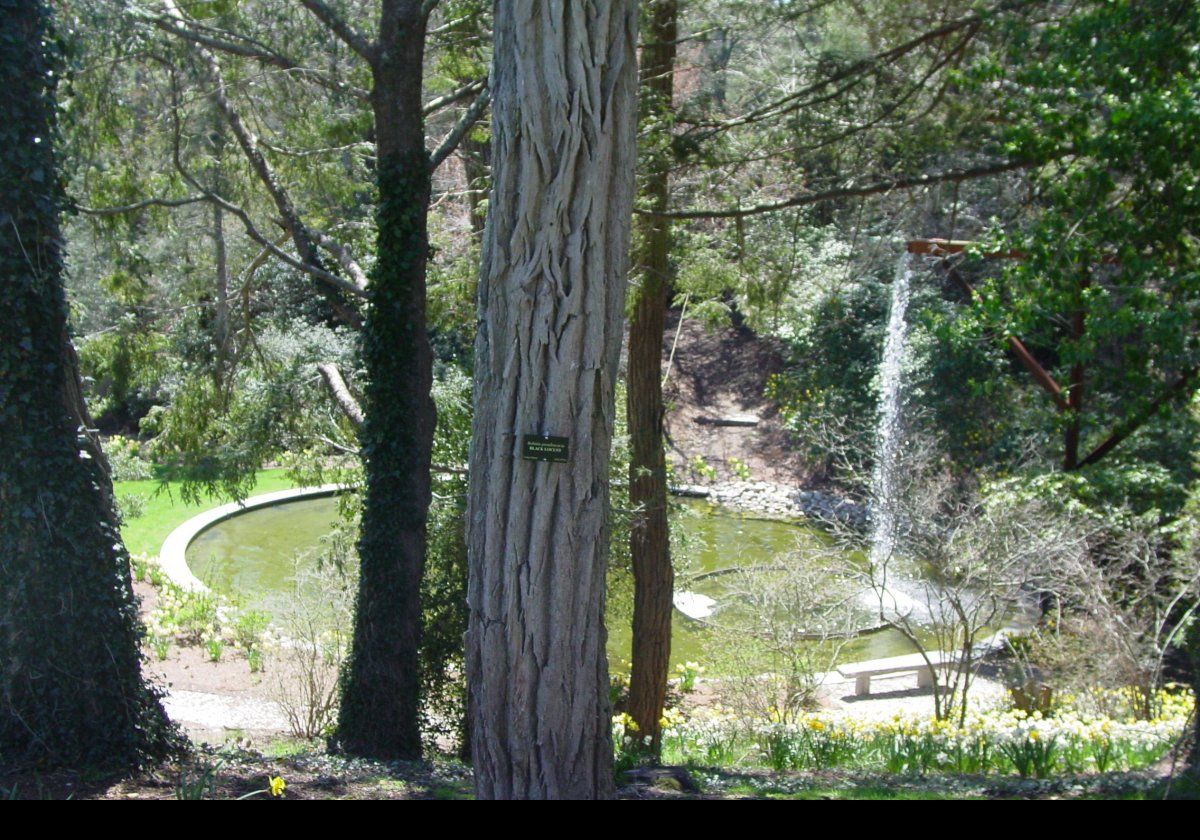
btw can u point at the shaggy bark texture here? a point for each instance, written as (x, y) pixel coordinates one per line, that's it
(552, 293)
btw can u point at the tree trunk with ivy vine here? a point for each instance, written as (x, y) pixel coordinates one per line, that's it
(71, 686)
(380, 712)
(552, 291)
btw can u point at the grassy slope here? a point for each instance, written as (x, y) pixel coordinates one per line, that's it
(165, 510)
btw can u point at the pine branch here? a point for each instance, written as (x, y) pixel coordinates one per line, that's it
(140, 205)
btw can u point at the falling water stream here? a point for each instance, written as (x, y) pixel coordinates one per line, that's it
(893, 595)
(888, 431)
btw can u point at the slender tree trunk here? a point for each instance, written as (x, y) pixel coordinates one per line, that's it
(1193, 651)
(221, 304)
(649, 537)
(476, 155)
(1074, 419)
(552, 292)
(71, 688)
(380, 708)
(1071, 437)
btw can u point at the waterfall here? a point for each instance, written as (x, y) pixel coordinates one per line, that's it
(888, 432)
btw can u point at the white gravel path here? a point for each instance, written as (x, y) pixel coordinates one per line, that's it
(222, 711)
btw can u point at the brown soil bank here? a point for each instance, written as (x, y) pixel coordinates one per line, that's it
(722, 372)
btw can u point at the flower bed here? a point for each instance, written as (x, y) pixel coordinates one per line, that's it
(1031, 745)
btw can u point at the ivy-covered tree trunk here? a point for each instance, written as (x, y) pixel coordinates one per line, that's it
(381, 692)
(71, 686)
(649, 536)
(551, 296)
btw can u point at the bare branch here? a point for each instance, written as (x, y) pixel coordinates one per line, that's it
(876, 188)
(271, 247)
(186, 29)
(345, 258)
(464, 124)
(259, 259)
(1035, 368)
(354, 413)
(251, 229)
(440, 102)
(333, 444)
(341, 393)
(447, 26)
(360, 146)
(350, 36)
(796, 99)
(302, 237)
(1179, 388)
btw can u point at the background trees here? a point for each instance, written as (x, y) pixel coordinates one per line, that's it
(237, 251)
(71, 689)
(1107, 282)
(850, 88)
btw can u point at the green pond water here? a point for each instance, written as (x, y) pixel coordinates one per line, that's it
(254, 555)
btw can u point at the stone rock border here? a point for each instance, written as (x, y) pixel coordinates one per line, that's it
(778, 501)
(172, 557)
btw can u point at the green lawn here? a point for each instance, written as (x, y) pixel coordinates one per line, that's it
(165, 510)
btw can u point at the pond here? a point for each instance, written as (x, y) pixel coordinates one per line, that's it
(253, 557)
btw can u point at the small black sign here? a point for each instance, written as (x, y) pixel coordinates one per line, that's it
(544, 448)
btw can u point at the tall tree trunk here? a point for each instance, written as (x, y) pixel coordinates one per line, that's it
(649, 537)
(71, 688)
(380, 708)
(552, 292)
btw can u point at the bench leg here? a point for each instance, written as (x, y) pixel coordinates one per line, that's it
(924, 678)
(862, 685)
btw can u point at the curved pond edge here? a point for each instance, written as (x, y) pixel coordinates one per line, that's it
(172, 557)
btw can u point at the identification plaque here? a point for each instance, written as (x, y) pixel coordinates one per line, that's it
(544, 448)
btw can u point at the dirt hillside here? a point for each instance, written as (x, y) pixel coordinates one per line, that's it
(722, 373)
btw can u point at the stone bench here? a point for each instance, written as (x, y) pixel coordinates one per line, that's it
(923, 666)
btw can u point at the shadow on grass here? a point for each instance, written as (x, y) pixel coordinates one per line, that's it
(717, 782)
